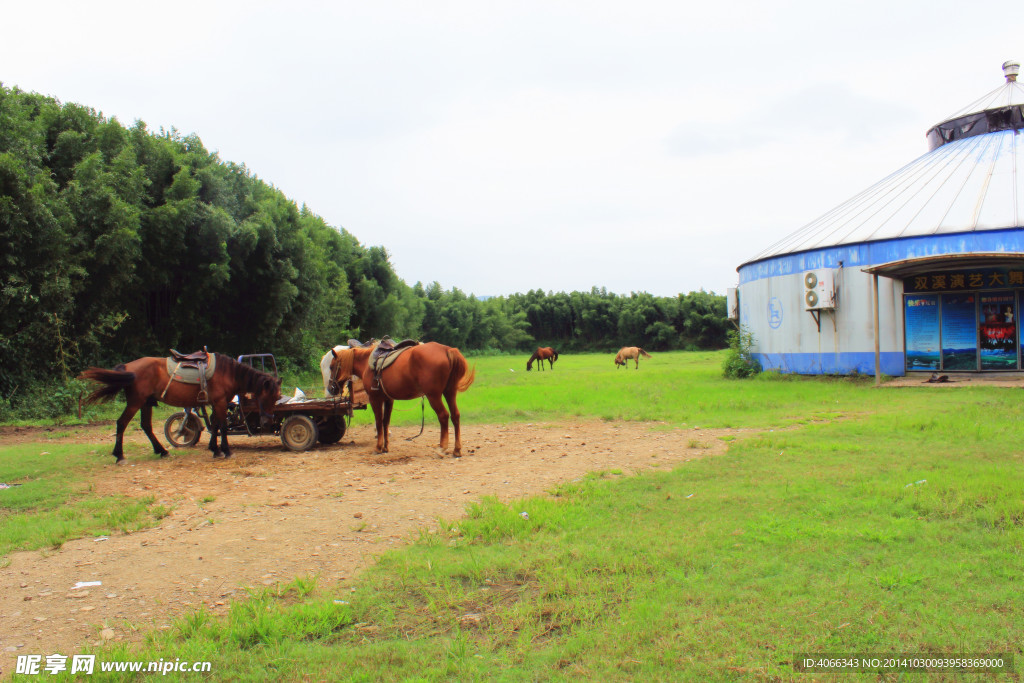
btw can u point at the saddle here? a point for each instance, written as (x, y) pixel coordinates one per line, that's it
(191, 368)
(195, 356)
(387, 351)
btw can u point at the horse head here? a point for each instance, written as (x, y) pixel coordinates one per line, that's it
(267, 396)
(341, 368)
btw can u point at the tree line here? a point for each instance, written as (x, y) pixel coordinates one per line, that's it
(118, 242)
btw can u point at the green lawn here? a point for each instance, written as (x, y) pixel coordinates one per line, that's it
(848, 520)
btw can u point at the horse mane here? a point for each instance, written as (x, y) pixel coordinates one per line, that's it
(345, 358)
(248, 379)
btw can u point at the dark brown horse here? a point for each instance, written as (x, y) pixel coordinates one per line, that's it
(432, 370)
(544, 353)
(628, 352)
(145, 381)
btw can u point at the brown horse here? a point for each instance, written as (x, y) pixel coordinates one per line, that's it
(543, 353)
(432, 370)
(145, 381)
(627, 352)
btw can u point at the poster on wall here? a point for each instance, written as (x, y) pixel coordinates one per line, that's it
(959, 332)
(921, 313)
(997, 331)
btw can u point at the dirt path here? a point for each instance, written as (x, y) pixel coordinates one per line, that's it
(267, 515)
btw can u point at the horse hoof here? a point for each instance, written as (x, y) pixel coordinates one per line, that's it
(163, 454)
(218, 454)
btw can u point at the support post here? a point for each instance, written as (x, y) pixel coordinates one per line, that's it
(878, 343)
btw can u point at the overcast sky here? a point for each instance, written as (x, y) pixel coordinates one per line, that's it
(501, 147)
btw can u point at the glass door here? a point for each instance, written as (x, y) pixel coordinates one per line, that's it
(997, 330)
(921, 328)
(959, 332)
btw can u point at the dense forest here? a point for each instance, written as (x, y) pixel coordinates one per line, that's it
(118, 242)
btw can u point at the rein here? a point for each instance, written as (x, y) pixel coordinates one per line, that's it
(423, 419)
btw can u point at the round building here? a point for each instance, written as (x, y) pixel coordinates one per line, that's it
(923, 271)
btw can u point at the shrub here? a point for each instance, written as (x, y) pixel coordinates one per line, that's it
(739, 363)
(42, 401)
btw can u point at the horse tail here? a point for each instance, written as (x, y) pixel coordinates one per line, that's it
(643, 353)
(462, 375)
(112, 382)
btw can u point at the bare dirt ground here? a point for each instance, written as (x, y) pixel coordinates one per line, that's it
(1010, 380)
(267, 515)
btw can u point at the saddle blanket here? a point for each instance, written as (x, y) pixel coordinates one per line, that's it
(189, 374)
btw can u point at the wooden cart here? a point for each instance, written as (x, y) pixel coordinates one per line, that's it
(300, 423)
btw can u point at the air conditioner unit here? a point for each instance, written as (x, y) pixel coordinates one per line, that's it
(819, 290)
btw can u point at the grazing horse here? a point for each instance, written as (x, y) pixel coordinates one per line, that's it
(325, 369)
(627, 352)
(432, 370)
(543, 353)
(146, 381)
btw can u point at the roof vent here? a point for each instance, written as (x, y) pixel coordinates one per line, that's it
(1010, 70)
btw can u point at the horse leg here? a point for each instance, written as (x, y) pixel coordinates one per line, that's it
(377, 405)
(219, 424)
(453, 407)
(225, 449)
(222, 412)
(122, 424)
(442, 418)
(214, 428)
(146, 417)
(385, 427)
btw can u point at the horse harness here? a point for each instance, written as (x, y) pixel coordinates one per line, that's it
(191, 368)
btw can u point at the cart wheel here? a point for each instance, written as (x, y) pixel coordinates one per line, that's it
(182, 433)
(331, 429)
(298, 433)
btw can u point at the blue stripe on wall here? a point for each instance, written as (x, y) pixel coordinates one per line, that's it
(844, 363)
(875, 253)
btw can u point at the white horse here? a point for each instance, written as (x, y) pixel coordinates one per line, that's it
(325, 367)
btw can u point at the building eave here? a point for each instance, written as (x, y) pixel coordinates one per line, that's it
(924, 264)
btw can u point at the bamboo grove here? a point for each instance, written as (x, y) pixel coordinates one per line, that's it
(117, 242)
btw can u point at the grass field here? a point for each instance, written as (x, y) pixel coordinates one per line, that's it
(851, 520)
